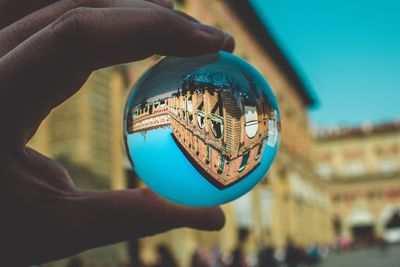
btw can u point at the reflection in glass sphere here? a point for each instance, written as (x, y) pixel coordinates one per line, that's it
(202, 131)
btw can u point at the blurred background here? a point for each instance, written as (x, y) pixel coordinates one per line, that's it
(332, 197)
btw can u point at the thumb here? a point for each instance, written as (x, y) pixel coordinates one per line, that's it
(114, 216)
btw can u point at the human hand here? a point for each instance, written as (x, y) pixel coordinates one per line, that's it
(48, 49)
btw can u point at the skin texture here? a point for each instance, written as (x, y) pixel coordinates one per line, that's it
(48, 49)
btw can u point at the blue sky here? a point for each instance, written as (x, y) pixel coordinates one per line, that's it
(348, 51)
(163, 167)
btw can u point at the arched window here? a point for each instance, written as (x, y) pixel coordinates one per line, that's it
(217, 126)
(200, 119)
(217, 119)
(251, 121)
(190, 108)
(200, 115)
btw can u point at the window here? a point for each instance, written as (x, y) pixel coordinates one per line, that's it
(387, 165)
(190, 109)
(208, 155)
(251, 118)
(245, 158)
(217, 119)
(200, 119)
(221, 164)
(217, 126)
(324, 170)
(354, 169)
(200, 115)
(260, 146)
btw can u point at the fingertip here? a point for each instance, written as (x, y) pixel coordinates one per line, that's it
(206, 219)
(226, 41)
(229, 44)
(217, 221)
(209, 30)
(201, 218)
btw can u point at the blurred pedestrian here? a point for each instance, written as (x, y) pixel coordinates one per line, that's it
(292, 254)
(165, 257)
(238, 258)
(313, 255)
(199, 258)
(382, 245)
(217, 258)
(266, 257)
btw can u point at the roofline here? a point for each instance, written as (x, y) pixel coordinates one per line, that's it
(366, 130)
(245, 11)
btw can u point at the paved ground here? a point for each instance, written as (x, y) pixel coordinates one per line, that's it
(365, 258)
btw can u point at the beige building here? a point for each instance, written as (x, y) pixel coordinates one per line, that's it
(85, 133)
(362, 168)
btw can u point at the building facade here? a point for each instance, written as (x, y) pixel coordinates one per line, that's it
(362, 168)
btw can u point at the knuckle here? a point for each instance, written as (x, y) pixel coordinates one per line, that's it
(167, 20)
(72, 22)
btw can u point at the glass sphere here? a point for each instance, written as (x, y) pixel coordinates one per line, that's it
(202, 131)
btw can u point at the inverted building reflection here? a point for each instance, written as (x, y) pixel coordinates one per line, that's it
(221, 128)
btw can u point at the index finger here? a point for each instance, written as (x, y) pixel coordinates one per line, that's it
(136, 213)
(49, 67)
(13, 10)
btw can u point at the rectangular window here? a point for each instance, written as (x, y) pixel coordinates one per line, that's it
(221, 163)
(208, 155)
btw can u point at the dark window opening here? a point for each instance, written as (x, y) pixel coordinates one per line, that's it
(260, 146)
(245, 158)
(217, 128)
(221, 164)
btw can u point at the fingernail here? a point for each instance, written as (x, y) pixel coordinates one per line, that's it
(229, 42)
(227, 38)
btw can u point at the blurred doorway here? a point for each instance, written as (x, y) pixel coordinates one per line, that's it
(363, 234)
(362, 225)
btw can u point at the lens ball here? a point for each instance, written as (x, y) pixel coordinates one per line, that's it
(202, 131)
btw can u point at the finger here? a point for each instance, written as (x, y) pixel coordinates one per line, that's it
(52, 65)
(114, 216)
(14, 10)
(19, 31)
(230, 42)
